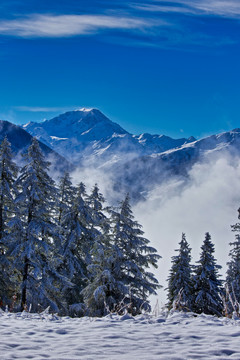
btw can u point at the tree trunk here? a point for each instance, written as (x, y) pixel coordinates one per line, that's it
(25, 270)
(1, 223)
(24, 289)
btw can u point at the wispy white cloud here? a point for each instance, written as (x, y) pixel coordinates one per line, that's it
(183, 31)
(39, 108)
(71, 25)
(222, 8)
(162, 8)
(145, 24)
(229, 8)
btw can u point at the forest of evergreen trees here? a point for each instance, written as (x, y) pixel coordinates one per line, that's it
(62, 248)
(198, 288)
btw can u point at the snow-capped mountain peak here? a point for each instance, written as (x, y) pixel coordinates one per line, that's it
(75, 123)
(74, 134)
(86, 133)
(88, 137)
(84, 109)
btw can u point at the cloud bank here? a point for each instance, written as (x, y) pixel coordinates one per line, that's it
(208, 203)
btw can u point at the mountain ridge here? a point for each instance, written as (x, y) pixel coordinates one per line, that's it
(135, 163)
(88, 134)
(20, 139)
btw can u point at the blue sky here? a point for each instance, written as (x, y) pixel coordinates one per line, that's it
(152, 66)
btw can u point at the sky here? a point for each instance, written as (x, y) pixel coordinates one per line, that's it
(163, 67)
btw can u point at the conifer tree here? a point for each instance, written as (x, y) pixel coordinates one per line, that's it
(77, 244)
(8, 174)
(233, 272)
(96, 203)
(180, 282)
(208, 286)
(35, 238)
(135, 257)
(66, 192)
(104, 288)
(233, 277)
(99, 294)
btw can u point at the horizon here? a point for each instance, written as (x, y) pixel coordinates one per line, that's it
(206, 134)
(162, 67)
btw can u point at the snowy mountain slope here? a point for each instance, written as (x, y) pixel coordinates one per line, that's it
(87, 134)
(146, 171)
(84, 124)
(77, 134)
(21, 139)
(136, 162)
(160, 143)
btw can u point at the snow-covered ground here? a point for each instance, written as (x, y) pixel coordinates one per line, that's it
(179, 336)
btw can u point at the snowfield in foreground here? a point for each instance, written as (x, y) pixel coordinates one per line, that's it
(179, 336)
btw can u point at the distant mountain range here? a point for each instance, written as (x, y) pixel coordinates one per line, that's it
(145, 172)
(86, 135)
(87, 138)
(21, 139)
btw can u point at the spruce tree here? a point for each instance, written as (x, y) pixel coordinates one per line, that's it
(208, 286)
(104, 289)
(180, 284)
(8, 174)
(233, 277)
(96, 203)
(233, 273)
(135, 256)
(66, 193)
(77, 245)
(35, 238)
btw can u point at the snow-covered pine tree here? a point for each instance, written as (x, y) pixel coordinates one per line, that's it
(233, 272)
(104, 288)
(233, 278)
(96, 203)
(135, 257)
(8, 174)
(207, 285)
(180, 279)
(77, 245)
(35, 238)
(66, 193)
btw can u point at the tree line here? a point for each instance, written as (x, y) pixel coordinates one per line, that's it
(62, 248)
(198, 288)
